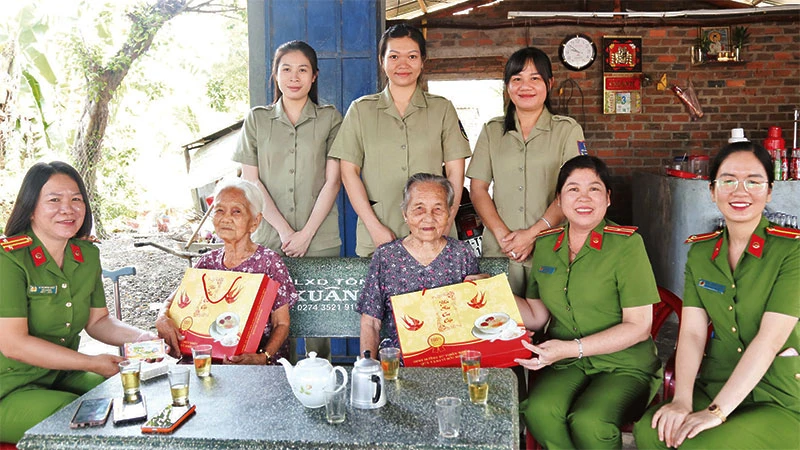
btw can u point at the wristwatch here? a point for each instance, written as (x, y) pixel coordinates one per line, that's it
(268, 360)
(714, 409)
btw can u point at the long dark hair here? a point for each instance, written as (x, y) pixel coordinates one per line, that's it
(308, 52)
(514, 65)
(28, 197)
(751, 147)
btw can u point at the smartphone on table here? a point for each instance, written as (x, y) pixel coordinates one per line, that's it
(129, 412)
(169, 419)
(92, 412)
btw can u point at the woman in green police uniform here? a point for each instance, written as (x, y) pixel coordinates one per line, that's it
(521, 152)
(592, 281)
(387, 137)
(741, 388)
(50, 290)
(284, 149)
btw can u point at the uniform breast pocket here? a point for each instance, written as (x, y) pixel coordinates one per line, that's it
(43, 313)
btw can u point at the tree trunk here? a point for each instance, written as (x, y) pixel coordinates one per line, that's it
(102, 80)
(9, 86)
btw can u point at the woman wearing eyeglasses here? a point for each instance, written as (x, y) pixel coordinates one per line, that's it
(745, 280)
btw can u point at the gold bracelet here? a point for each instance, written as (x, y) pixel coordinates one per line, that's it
(269, 358)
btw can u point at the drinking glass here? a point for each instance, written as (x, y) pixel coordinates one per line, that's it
(335, 404)
(390, 362)
(478, 386)
(179, 385)
(448, 413)
(202, 359)
(129, 371)
(470, 359)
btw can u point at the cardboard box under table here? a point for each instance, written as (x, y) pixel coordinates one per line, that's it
(435, 325)
(225, 309)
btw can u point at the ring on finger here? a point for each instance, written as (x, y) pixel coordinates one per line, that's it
(513, 255)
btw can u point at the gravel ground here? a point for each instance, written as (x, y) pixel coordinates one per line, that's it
(158, 273)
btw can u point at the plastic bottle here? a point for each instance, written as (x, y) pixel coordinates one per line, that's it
(775, 144)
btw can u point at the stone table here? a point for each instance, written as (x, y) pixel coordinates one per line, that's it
(253, 407)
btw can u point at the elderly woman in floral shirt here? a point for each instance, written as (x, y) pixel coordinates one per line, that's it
(236, 215)
(424, 259)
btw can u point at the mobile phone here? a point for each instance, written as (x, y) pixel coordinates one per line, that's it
(129, 412)
(169, 419)
(91, 413)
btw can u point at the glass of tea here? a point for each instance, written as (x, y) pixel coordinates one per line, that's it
(129, 371)
(202, 359)
(179, 385)
(478, 386)
(470, 359)
(390, 362)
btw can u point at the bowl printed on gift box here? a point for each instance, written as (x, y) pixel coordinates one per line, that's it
(492, 323)
(227, 322)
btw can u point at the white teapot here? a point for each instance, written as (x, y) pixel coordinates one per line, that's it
(310, 377)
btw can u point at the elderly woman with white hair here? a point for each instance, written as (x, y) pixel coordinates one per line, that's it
(236, 216)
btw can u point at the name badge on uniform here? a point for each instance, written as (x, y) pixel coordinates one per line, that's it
(711, 286)
(546, 269)
(43, 289)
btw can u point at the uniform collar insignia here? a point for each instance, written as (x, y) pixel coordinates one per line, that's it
(756, 246)
(559, 240)
(38, 256)
(15, 242)
(717, 248)
(76, 252)
(596, 240)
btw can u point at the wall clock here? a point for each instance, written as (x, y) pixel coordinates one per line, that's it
(577, 52)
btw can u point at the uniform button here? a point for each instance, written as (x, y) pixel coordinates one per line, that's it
(739, 349)
(403, 146)
(64, 286)
(574, 329)
(403, 168)
(291, 150)
(565, 289)
(520, 188)
(733, 329)
(567, 269)
(402, 126)
(291, 133)
(63, 340)
(68, 324)
(69, 304)
(291, 170)
(733, 286)
(291, 189)
(730, 307)
(797, 376)
(567, 308)
(291, 209)
(521, 168)
(521, 209)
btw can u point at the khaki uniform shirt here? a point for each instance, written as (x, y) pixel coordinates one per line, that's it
(766, 279)
(524, 171)
(55, 301)
(390, 148)
(291, 163)
(610, 272)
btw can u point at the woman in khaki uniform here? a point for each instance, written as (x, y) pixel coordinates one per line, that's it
(50, 290)
(284, 149)
(521, 153)
(745, 279)
(387, 137)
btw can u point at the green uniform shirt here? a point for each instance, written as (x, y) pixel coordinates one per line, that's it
(766, 279)
(55, 301)
(291, 163)
(390, 148)
(610, 272)
(524, 171)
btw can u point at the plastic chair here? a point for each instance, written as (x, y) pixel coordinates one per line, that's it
(661, 311)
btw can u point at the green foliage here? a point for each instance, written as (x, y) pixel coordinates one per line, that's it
(740, 37)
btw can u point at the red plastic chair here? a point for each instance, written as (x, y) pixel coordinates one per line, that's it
(661, 311)
(7, 446)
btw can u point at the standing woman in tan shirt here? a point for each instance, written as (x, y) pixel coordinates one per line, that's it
(389, 136)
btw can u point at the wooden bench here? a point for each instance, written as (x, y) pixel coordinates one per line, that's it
(329, 289)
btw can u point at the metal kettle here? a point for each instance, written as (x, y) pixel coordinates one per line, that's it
(368, 386)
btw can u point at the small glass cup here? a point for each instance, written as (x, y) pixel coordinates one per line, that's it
(202, 359)
(478, 386)
(448, 413)
(129, 371)
(390, 362)
(179, 385)
(470, 359)
(335, 404)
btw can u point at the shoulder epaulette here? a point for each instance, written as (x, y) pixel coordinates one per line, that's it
(550, 231)
(15, 242)
(620, 229)
(264, 107)
(702, 237)
(788, 233)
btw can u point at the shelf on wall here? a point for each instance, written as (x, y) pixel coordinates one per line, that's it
(720, 63)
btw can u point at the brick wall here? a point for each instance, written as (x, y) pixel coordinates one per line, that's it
(757, 94)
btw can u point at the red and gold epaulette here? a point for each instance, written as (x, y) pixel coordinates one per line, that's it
(702, 237)
(788, 233)
(619, 229)
(550, 231)
(15, 242)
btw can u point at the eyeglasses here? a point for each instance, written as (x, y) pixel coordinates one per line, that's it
(728, 185)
